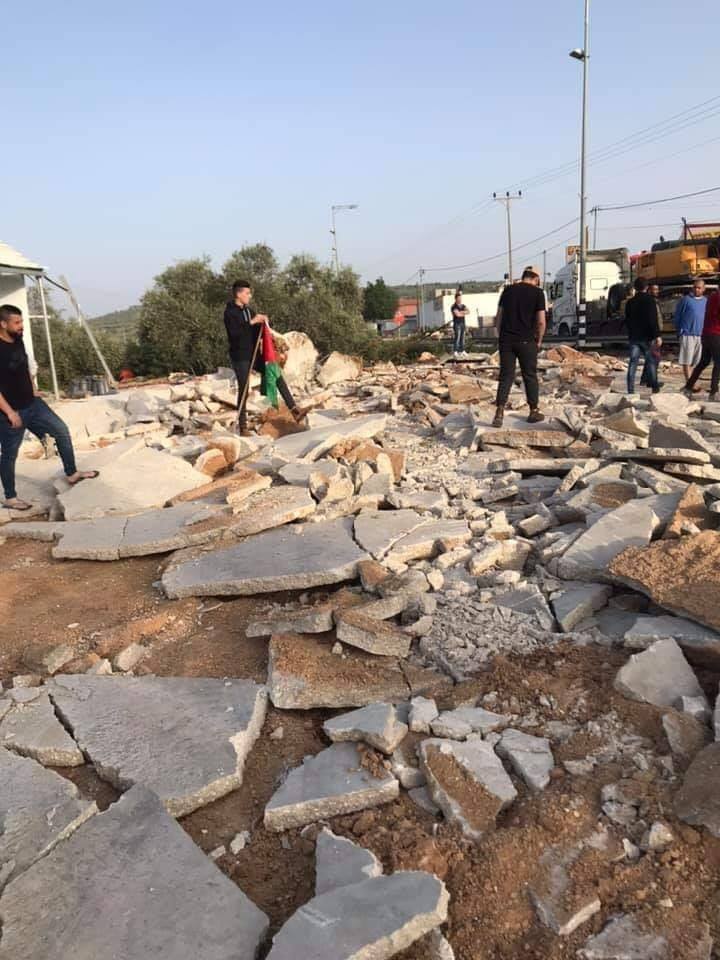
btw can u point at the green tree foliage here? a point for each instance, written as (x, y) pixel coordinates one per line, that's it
(380, 302)
(181, 324)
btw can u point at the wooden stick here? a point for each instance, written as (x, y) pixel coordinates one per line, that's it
(252, 366)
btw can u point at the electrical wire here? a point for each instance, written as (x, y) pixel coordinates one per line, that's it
(652, 203)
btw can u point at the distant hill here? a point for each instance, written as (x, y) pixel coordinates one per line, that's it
(121, 324)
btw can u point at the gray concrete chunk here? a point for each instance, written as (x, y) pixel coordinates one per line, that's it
(375, 636)
(317, 619)
(422, 713)
(290, 558)
(38, 808)
(466, 720)
(372, 920)
(377, 725)
(129, 884)
(186, 739)
(530, 757)
(622, 939)
(698, 800)
(377, 531)
(271, 508)
(33, 730)
(331, 783)
(340, 862)
(659, 675)
(472, 788)
(579, 602)
(700, 644)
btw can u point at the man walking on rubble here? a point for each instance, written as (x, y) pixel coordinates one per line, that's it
(520, 326)
(689, 322)
(641, 320)
(710, 349)
(22, 409)
(244, 329)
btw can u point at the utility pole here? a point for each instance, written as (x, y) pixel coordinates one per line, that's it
(594, 212)
(507, 200)
(420, 293)
(544, 276)
(584, 57)
(335, 207)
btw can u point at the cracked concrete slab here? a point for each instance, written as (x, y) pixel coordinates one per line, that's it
(331, 783)
(659, 675)
(296, 446)
(272, 508)
(357, 629)
(339, 862)
(530, 757)
(377, 725)
(186, 739)
(31, 728)
(372, 920)
(129, 884)
(38, 808)
(377, 531)
(426, 540)
(290, 558)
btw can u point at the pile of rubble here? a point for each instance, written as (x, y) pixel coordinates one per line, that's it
(458, 546)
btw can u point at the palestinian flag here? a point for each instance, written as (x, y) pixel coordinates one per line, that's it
(271, 370)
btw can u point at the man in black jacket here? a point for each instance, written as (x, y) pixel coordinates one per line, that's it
(244, 328)
(641, 320)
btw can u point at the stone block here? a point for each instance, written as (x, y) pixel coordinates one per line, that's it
(339, 862)
(377, 725)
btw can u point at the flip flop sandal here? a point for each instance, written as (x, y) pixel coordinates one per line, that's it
(89, 475)
(24, 505)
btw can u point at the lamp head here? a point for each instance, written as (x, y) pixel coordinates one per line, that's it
(577, 54)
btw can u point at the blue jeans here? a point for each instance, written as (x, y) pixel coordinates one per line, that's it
(638, 349)
(39, 419)
(458, 336)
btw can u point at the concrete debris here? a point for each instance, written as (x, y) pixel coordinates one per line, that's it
(660, 675)
(30, 727)
(578, 602)
(698, 800)
(331, 783)
(422, 714)
(377, 725)
(468, 782)
(372, 920)
(292, 558)
(686, 736)
(374, 636)
(339, 367)
(340, 862)
(377, 531)
(623, 939)
(39, 808)
(530, 757)
(176, 901)
(187, 739)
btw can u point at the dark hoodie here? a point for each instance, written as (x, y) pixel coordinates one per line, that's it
(242, 335)
(641, 318)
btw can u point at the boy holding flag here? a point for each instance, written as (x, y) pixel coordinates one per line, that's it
(252, 348)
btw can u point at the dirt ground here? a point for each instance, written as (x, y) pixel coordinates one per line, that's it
(99, 608)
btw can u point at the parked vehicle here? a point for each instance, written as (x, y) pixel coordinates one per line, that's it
(606, 287)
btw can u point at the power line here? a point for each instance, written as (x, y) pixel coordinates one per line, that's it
(652, 203)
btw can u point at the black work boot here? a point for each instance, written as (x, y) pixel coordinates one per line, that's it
(535, 416)
(498, 418)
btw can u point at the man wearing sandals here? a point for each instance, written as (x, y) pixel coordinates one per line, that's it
(21, 409)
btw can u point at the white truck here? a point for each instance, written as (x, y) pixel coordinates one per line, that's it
(606, 285)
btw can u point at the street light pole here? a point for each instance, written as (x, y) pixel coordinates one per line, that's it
(584, 56)
(507, 200)
(335, 207)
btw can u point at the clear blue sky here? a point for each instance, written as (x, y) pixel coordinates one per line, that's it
(137, 134)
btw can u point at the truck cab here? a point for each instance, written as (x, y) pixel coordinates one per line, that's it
(607, 275)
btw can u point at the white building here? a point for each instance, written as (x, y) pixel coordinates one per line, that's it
(14, 268)
(482, 306)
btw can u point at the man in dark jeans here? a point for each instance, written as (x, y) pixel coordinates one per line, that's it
(710, 349)
(641, 320)
(21, 409)
(520, 324)
(244, 327)
(459, 312)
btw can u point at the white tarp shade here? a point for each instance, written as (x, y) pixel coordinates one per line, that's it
(13, 262)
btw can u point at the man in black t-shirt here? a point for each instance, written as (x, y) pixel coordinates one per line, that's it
(520, 325)
(21, 409)
(459, 312)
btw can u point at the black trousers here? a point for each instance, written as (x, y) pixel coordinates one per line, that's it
(512, 350)
(710, 354)
(242, 372)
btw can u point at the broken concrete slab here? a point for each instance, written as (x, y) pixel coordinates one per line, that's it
(530, 757)
(31, 728)
(271, 508)
(292, 558)
(459, 723)
(527, 438)
(682, 575)
(659, 675)
(187, 739)
(631, 525)
(697, 802)
(332, 783)
(377, 531)
(296, 446)
(690, 515)
(422, 713)
(664, 434)
(623, 939)
(303, 673)
(339, 862)
(561, 902)
(370, 634)
(578, 602)
(467, 781)
(427, 540)
(339, 367)
(700, 644)
(428, 501)
(685, 735)
(298, 474)
(372, 920)
(38, 808)
(530, 601)
(176, 901)
(377, 725)
(315, 619)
